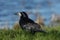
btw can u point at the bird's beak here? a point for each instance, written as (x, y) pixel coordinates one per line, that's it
(18, 13)
(15, 14)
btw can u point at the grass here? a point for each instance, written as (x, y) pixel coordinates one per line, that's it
(53, 33)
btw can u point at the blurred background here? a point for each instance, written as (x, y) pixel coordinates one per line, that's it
(45, 8)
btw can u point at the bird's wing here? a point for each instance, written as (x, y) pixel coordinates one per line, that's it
(31, 21)
(31, 27)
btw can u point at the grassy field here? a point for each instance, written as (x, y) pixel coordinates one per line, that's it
(53, 33)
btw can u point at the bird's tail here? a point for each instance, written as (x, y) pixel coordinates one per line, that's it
(41, 31)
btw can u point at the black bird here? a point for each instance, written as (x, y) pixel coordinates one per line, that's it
(28, 24)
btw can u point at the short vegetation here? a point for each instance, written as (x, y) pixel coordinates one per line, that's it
(53, 33)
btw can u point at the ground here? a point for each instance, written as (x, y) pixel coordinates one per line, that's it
(53, 33)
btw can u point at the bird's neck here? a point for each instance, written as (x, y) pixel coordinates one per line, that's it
(23, 21)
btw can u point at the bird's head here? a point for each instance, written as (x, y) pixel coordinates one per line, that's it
(21, 14)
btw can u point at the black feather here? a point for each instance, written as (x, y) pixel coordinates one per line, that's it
(29, 25)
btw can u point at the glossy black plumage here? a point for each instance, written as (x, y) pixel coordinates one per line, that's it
(28, 25)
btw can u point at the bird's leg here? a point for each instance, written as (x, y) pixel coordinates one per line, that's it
(33, 32)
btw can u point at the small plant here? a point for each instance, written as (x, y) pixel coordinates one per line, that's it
(16, 26)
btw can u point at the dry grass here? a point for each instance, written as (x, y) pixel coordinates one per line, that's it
(16, 26)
